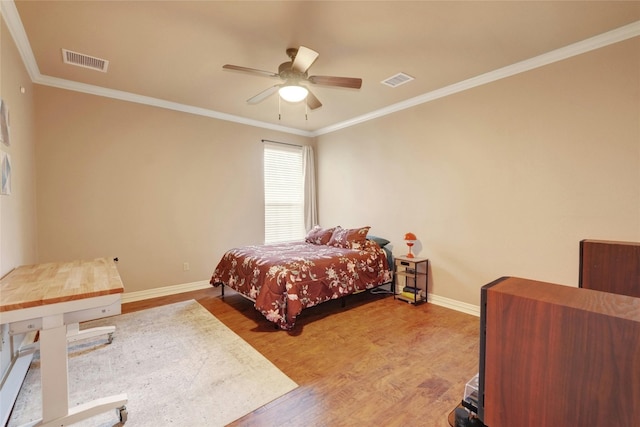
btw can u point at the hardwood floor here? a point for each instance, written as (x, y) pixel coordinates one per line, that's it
(376, 361)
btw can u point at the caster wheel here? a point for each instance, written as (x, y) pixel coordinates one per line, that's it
(122, 414)
(110, 339)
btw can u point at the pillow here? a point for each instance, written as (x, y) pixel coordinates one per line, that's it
(319, 235)
(379, 240)
(349, 238)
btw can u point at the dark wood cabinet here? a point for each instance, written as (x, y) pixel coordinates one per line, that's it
(610, 266)
(555, 355)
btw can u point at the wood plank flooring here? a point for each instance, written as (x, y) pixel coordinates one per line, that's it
(375, 362)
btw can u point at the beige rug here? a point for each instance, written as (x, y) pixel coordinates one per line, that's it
(178, 364)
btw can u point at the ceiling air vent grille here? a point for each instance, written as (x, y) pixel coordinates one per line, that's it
(397, 80)
(86, 61)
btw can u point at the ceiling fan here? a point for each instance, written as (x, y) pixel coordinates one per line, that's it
(292, 73)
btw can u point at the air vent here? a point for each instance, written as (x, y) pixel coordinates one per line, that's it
(397, 80)
(86, 61)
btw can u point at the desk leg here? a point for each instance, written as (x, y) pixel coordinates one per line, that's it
(53, 360)
(55, 381)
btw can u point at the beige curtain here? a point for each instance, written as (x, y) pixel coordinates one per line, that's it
(309, 183)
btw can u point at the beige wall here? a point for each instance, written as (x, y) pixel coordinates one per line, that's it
(18, 210)
(504, 179)
(156, 188)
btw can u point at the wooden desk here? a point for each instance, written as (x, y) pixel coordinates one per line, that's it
(48, 298)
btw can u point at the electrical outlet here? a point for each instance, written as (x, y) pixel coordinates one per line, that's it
(185, 266)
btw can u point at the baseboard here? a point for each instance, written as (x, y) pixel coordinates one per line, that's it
(164, 291)
(463, 307)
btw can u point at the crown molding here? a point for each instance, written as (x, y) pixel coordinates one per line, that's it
(16, 29)
(161, 103)
(578, 48)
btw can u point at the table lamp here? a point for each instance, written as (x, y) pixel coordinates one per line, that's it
(410, 238)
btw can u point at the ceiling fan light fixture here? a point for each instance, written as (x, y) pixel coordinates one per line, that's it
(293, 93)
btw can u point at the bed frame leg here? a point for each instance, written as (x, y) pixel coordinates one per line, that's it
(222, 291)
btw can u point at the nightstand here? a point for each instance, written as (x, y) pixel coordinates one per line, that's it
(411, 276)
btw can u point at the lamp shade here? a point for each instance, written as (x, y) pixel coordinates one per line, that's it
(293, 93)
(410, 238)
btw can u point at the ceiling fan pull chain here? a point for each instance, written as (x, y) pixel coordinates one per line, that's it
(279, 104)
(306, 111)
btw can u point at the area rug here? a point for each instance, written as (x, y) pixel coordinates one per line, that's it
(178, 364)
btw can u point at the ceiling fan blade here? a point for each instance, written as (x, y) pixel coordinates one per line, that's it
(304, 58)
(349, 82)
(263, 95)
(249, 70)
(312, 101)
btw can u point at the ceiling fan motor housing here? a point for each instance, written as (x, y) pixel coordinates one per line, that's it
(286, 72)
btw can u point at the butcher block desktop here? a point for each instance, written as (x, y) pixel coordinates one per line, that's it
(50, 283)
(53, 298)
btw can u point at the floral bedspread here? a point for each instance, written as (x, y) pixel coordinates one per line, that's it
(285, 278)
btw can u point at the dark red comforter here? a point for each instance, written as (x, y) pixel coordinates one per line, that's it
(285, 278)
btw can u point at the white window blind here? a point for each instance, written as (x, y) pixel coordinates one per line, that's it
(283, 193)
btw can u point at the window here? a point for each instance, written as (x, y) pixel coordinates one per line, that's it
(283, 193)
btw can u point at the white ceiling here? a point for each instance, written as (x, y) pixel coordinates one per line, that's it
(170, 53)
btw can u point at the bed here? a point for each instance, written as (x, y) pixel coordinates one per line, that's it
(285, 278)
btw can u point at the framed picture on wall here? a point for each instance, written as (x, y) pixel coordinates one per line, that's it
(4, 123)
(5, 165)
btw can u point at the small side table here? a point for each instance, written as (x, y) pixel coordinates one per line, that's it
(415, 273)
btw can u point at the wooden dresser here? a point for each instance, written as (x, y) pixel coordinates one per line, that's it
(555, 355)
(610, 266)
